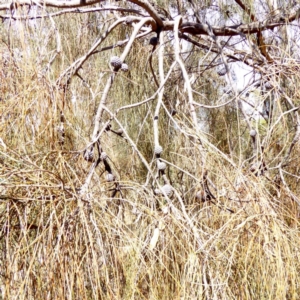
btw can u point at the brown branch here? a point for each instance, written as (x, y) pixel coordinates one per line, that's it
(246, 9)
(185, 27)
(80, 3)
(151, 66)
(255, 27)
(260, 39)
(72, 69)
(72, 11)
(50, 3)
(245, 56)
(250, 28)
(151, 11)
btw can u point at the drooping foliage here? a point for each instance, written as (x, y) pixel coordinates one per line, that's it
(149, 150)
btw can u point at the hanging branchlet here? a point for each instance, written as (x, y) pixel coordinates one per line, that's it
(88, 154)
(61, 129)
(109, 176)
(205, 194)
(158, 149)
(253, 135)
(258, 166)
(107, 166)
(118, 131)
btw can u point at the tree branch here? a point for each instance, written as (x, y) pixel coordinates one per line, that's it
(250, 28)
(186, 27)
(73, 11)
(50, 3)
(260, 39)
(80, 3)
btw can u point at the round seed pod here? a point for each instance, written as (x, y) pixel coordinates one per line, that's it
(165, 209)
(161, 166)
(158, 149)
(157, 192)
(119, 131)
(108, 127)
(167, 189)
(198, 195)
(254, 168)
(110, 177)
(103, 155)
(268, 85)
(153, 41)
(253, 132)
(124, 68)
(88, 155)
(61, 133)
(173, 112)
(129, 20)
(222, 72)
(227, 91)
(115, 62)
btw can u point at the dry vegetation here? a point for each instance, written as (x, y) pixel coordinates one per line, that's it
(228, 228)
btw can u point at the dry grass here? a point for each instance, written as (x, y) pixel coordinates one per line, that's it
(128, 243)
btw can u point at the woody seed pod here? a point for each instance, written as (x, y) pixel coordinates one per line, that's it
(158, 149)
(88, 155)
(268, 85)
(153, 41)
(103, 155)
(222, 72)
(116, 62)
(157, 192)
(161, 166)
(167, 189)
(110, 177)
(119, 131)
(124, 67)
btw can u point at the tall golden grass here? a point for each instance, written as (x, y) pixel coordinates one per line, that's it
(121, 240)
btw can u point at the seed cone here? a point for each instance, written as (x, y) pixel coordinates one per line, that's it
(88, 155)
(153, 41)
(103, 155)
(110, 177)
(124, 68)
(116, 62)
(158, 149)
(161, 166)
(167, 189)
(222, 72)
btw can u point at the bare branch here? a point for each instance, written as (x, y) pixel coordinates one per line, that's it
(254, 27)
(189, 88)
(71, 70)
(112, 77)
(186, 27)
(73, 11)
(50, 3)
